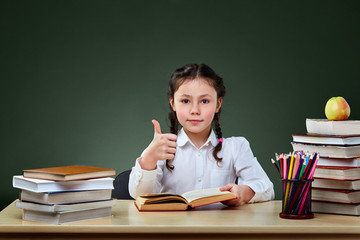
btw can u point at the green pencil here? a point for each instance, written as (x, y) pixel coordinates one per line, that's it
(302, 170)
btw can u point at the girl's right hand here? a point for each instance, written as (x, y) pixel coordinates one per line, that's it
(162, 147)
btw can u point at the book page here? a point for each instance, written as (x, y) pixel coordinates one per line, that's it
(154, 198)
(202, 193)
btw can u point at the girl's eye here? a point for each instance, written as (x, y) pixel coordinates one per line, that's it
(185, 101)
(204, 101)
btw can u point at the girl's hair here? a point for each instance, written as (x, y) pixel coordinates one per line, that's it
(189, 72)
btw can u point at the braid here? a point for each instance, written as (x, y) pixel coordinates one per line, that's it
(219, 135)
(174, 124)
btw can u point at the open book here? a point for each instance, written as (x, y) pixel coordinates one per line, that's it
(176, 202)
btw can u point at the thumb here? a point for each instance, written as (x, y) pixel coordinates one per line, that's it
(157, 129)
(226, 187)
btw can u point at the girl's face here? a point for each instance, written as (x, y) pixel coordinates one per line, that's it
(195, 103)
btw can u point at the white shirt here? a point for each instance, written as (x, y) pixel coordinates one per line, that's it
(196, 168)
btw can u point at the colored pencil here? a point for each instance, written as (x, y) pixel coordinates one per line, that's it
(276, 166)
(296, 170)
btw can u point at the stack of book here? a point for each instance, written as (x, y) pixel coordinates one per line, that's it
(65, 194)
(336, 186)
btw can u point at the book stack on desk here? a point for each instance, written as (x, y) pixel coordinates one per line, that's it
(336, 186)
(65, 194)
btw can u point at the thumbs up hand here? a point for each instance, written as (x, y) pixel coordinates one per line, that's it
(157, 128)
(162, 147)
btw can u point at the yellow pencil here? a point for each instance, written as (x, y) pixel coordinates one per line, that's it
(289, 177)
(291, 166)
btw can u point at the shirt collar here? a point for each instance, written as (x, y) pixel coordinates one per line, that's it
(183, 138)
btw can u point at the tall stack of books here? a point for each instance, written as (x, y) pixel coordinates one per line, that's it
(336, 186)
(67, 194)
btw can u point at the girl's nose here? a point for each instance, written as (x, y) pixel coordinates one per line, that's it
(195, 109)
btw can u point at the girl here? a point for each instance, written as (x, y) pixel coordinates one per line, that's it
(196, 157)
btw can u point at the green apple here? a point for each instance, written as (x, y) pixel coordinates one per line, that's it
(337, 109)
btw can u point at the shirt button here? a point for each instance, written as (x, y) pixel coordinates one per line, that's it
(199, 179)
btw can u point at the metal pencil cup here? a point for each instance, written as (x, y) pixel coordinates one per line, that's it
(296, 199)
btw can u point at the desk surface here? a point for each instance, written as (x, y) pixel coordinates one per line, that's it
(260, 219)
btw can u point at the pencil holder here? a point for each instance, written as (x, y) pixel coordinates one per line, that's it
(296, 199)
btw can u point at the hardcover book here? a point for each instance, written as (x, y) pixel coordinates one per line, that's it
(65, 197)
(336, 184)
(336, 208)
(64, 207)
(188, 200)
(326, 139)
(69, 173)
(327, 127)
(331, 151)
(337, 196)
(341, 173)
(66, 217)
(339, 162)
(40, 185)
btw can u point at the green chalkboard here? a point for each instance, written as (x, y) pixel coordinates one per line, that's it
(82, 80)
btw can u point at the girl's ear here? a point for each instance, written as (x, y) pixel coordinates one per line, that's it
(171, 101)
(218, 106)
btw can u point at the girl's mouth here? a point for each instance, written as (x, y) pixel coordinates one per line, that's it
(194, 121)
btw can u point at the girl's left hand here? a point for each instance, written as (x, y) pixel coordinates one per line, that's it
(243, 193)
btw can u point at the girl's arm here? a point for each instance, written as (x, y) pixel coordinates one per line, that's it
(144, 181)
(249, 173)
(145, 174)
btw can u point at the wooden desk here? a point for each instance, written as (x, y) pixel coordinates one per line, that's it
(250, 221)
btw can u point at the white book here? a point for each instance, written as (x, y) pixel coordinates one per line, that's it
(40, 185)
(65, 197)
(339, 173)
(339, 162)
(336, 208)
(64, 207)
(327, 127)
(333, 195)
(66, 217)
(330, 151)
(326, 139)
(336, 184)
